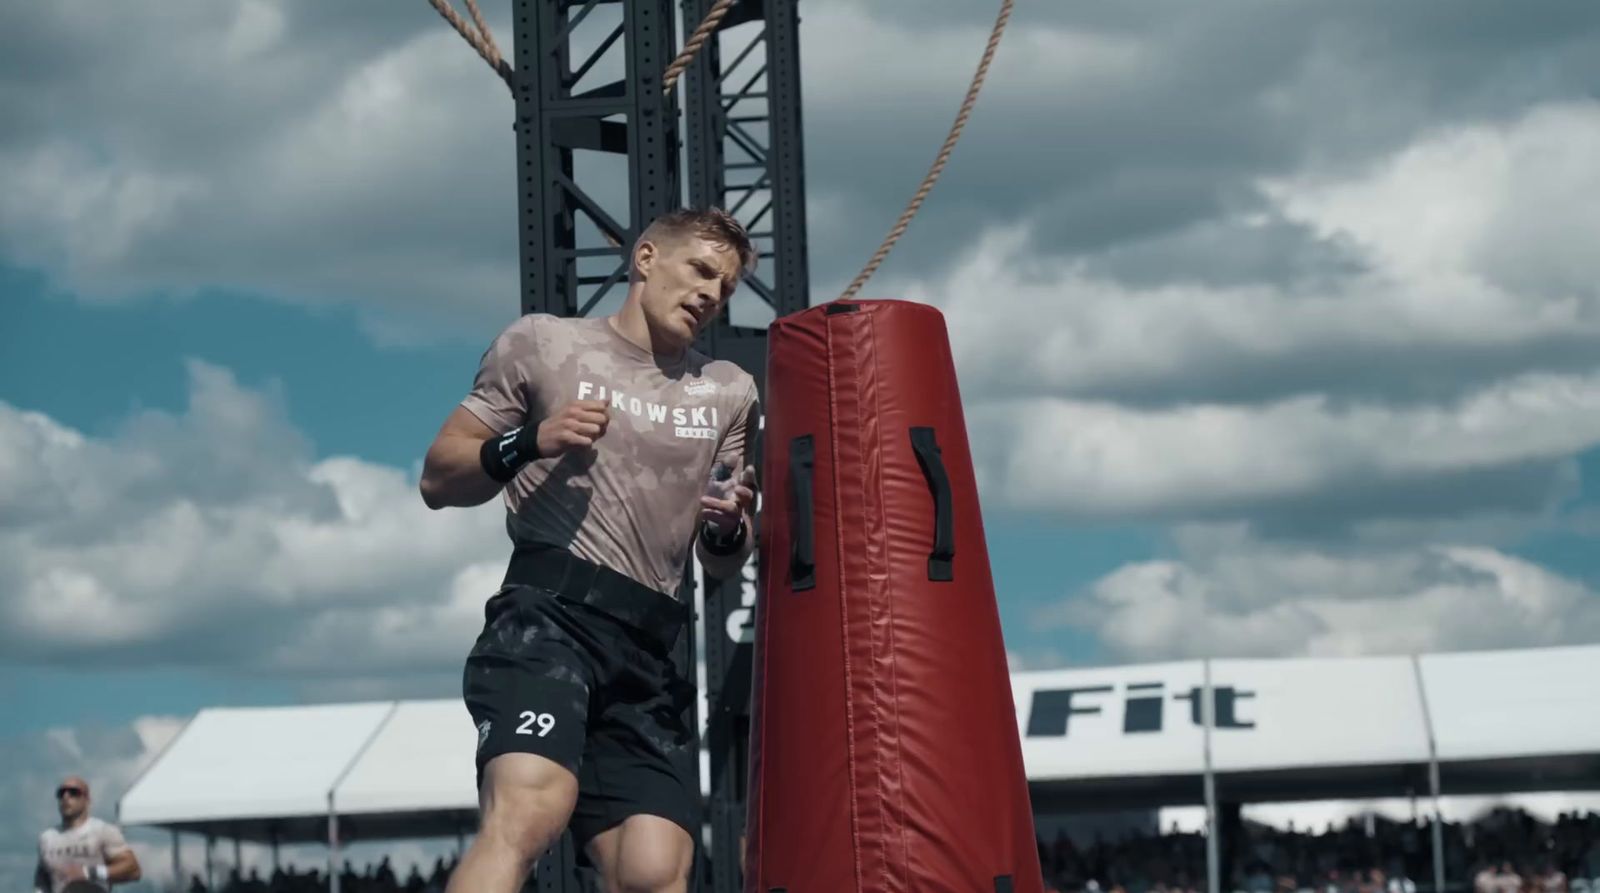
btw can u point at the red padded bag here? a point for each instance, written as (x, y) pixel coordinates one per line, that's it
(885, 755)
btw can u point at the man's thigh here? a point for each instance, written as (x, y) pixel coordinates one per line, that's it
(528, 680)
(640, 759)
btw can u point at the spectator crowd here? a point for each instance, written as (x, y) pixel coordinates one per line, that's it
(380, 878)
(1507, 851)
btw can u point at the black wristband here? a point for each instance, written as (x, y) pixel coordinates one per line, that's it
(725, 544)
(502, 457)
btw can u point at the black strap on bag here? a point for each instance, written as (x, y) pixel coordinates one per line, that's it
(802, 532)
(941, 558)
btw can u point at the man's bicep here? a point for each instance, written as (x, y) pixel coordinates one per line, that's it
(499, 395)
(112, 843)
(462, 422)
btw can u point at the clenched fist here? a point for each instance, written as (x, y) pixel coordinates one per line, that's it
(575, 426)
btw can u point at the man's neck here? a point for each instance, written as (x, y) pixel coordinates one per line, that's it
(71, 824)
(629, 321)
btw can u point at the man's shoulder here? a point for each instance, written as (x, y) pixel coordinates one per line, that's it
(532, 325)
(725, 376)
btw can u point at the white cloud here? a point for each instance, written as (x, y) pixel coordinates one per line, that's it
(1445, 360)
(213, 537)
(64, 208)
(361, 152)
(1039, 57)
(1231, 595)
(312, 154)
(1101, 459)
(1498, 204)
(1442, 225)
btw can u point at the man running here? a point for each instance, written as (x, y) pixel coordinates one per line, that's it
(618, 448)
(82, 852)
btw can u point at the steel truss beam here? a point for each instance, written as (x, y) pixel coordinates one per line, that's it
(588, 89)
(742, 121)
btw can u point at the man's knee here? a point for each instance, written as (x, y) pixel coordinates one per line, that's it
(654, 856)
(526, 802)
(653, 873)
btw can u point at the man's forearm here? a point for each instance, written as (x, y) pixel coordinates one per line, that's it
(124, 868)
(453, 475)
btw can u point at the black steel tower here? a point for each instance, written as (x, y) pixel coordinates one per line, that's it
(601, 151)
(746, 154)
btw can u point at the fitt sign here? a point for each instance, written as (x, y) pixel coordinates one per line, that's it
(1144, 704)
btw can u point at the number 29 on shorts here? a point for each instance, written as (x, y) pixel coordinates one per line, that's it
(545, 722)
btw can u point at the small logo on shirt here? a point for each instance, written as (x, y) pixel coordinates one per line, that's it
(700, 388)
(696, 433)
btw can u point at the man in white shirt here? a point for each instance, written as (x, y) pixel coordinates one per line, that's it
(82, 851)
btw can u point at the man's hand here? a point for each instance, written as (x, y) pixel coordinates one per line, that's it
(80, 873)
(724, 514)
(575, 426)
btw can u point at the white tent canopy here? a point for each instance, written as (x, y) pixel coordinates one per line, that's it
(388, 770)
(1104, 737)
(1313, 728)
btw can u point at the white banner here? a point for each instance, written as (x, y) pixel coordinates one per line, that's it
(1495, 704)
(1274, 714)
(1111, 721)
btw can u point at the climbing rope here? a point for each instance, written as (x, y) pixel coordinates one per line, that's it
(938, 164)
(482, 40)
(701, 35)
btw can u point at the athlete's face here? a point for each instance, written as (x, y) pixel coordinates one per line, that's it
(686, 284)
(72, 797)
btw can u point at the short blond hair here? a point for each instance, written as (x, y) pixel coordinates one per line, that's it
(712, 224)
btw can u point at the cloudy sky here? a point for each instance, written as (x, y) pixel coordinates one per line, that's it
(1276, 323)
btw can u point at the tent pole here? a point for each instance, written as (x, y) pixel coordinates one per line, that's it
(1438, 826)
(1433, 777)
(333, 848)
(333, 792)
(274, 849)
(238, 858)
(177, 865)
(1213, 868)
(211, 880)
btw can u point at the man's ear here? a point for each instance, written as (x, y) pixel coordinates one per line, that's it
(644, 257)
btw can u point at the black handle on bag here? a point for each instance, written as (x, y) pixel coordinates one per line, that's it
(802, 535)
(944, 535)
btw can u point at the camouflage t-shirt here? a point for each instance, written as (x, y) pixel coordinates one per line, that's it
(632, 503)
(92, 843)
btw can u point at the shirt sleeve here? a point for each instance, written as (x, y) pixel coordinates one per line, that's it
(738, 444)
(112, 843)
(499, 395)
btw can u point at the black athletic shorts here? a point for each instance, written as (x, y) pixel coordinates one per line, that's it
(574, 664)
